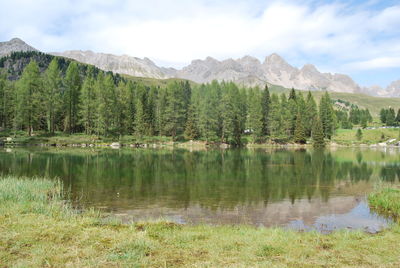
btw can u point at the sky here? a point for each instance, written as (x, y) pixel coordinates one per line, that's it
(355, 37)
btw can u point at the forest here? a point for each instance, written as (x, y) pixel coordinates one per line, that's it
(64, 97)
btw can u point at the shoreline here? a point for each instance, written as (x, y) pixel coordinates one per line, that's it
(39, 229)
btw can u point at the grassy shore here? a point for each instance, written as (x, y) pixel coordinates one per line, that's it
(39, 229)
(386, 201)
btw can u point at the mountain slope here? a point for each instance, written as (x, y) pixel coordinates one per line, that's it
(14, 45)
(118, 64)
(274, 70)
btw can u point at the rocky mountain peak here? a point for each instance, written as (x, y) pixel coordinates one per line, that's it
(14, 45)
(309, 68)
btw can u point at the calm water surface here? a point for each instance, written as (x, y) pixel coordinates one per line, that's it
(301, 189)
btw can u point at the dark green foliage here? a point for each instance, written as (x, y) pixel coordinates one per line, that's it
(191, 130)
(318, 134)
(71, 98)
(359, 134)
(266, 103)
(29, 99)
(299, 133)
(310, 114)
(77, 98)
(52, 94)
(255, 116)
(388, 117)
(6, 102)
(327, 116)
(175, 112)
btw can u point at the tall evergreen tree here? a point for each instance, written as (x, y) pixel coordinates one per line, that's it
(191, 131)
(174, 111)
(299, 132)
(71, 97)
(310, 115)
(52, 94)
(88, 102)
(287, 117)
(255, 114)
(318, 134)
(275, 117)
(209, 112)
(266, 103)
(6, 102)
(327, 116)
(29, 109)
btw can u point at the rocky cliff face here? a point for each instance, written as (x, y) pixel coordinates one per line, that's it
(119, 64)
(274, 70)
(14, 45)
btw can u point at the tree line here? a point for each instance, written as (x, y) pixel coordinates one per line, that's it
(96, 103)
(389, 118)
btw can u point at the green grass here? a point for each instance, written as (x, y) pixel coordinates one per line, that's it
(369, 136)
(38, 229)
(387, 201)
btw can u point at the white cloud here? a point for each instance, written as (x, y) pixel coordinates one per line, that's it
(335, 36)
(377, 63)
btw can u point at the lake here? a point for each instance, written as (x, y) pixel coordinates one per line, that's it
(301, 189)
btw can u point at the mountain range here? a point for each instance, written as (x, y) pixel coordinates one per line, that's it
(247, 71)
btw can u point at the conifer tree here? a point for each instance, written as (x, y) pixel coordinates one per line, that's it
(6, 102)
(311, 114)
(255, 114)
(287, 118)
(174, 111)
(160, 111)
(88, 102)
(327, 116)
(52, 93)
(359, 134)
(209, 112)
(29, 109)
(266, 103)
(106, 106)
(299, 133)
(275, 118)
(318, 134)
(71, 97)
(141, 120)
(191, 131)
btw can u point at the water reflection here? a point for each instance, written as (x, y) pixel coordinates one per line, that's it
(232, 186)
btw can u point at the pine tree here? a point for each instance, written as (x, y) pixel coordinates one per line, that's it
(359, 134)
(29, 93)
(311, 114)
(397, 117)
(390, 117)
(191, 131)
(88, 102)
(124, 117)
(52, 94)
(6, 102)
(174, 111)
(327, 116)
(299, 133)
(106, 106)
(275, 117)
(209, 112)
(266, 103)
(318, 134)
(71, 97)
(255, 114)
(287, 118)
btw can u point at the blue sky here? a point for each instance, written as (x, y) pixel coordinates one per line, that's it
(359, 38)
